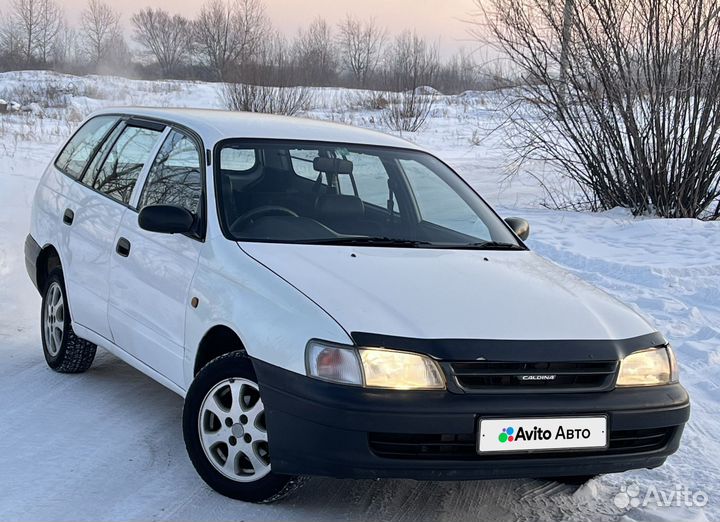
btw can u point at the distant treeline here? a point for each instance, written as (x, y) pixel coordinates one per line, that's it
(232, 40)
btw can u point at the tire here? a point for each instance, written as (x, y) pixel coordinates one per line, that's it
(225, 432)
(64, 351)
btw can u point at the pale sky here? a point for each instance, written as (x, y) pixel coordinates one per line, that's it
(438, 20)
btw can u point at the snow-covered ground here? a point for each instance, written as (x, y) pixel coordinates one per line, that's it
(107, 444)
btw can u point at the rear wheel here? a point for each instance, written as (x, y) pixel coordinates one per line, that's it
(226, 433)
(64, 351)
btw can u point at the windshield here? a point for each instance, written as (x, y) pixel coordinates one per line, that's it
(324, 193)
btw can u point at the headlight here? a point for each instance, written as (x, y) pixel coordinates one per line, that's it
(373, 367)
(400, 370)
(648, 368)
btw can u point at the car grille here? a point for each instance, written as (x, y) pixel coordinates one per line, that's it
(504, 377)
(463, 446)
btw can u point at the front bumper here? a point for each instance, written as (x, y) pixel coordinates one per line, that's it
(319, 428)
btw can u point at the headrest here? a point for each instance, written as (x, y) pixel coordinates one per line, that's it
(333, 165)
(339, 206)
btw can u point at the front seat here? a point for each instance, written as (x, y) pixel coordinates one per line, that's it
(344, 214)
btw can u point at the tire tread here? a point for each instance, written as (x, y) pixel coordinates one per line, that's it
(76, 354)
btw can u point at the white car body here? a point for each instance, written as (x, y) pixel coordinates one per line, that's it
(154, 299)
(143, 305)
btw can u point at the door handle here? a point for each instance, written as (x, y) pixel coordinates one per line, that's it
(123, 247)
(68, 216)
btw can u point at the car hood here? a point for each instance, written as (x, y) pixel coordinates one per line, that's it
(449, 294)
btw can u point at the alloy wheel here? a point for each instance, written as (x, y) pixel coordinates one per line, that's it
(54, 319)
(232, 430)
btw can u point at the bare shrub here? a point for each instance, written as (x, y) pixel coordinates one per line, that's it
(268, 99)
(369, 100)
(47, 94)
(413, 63)
(624, 98)
(408, 111)
(263, 85)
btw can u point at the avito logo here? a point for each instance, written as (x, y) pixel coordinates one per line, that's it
(507, 434)
(535, 433)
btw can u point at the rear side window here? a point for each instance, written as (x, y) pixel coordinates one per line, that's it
(237, 159)
(94, 165)
(124, 162)
(175, 177)
(83, 144)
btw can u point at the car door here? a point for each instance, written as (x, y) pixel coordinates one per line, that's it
(93, 215)
(150, 279)
(68, 226)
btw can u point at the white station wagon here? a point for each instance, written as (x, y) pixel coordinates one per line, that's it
(335, 301)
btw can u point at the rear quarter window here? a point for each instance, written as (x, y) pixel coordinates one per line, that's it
(237, 159)
(82, 146)
(123, 164)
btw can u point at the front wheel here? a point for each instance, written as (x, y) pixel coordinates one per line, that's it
(226, 433)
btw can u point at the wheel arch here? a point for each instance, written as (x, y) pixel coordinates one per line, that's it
(218, 340)
(47, 261)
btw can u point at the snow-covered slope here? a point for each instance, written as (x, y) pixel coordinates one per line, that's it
(107, 444)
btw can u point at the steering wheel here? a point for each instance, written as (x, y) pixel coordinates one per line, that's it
(265, 210)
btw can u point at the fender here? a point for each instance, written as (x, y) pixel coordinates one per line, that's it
(236, 291)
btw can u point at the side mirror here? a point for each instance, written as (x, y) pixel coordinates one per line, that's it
(519, 226)
(165, 219)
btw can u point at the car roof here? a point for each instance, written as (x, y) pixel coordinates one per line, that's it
(215, 125)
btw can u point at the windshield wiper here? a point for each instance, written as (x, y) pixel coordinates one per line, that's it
(367, 241)
(494, 245)
(408, 243)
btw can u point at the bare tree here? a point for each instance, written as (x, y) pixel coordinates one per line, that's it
(31, 33)
(361, 45)
(459, 73)
(634, 117)
(118, 58)
(315, 53)
(51, 22)
(215, 36)
(413, 62)
(66, 48)
(167, 38)
(253, 26)
(11, 44)
(229, 32)
(25, 19)
(36, 24)
(100, 27)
